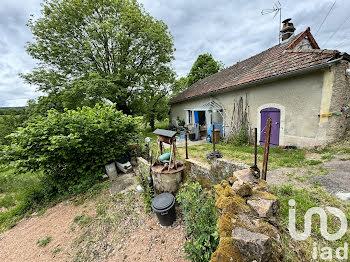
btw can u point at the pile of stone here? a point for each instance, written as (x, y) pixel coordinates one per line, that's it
(247, 224)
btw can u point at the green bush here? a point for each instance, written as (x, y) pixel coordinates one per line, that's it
(9, 124)
(200, 216)
(71, 148)
(240, 138)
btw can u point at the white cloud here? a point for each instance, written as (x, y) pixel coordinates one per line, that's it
(230, 30)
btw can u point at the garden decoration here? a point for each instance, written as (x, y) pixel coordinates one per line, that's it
(166, 170)
(336, 113)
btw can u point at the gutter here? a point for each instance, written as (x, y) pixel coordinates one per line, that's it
(272, 78)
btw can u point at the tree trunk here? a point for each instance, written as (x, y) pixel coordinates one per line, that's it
(152, 121)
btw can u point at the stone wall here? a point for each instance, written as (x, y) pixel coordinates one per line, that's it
(247, 225)
(340, 97)
(207, 174)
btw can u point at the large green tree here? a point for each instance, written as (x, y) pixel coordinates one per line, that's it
(96, 50)
(179, 85)
(204, 66)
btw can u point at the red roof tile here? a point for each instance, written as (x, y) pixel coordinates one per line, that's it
(277, 60)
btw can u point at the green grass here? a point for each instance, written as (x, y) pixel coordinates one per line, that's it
(19, 194)
(83, 220)
(23, 194)
(44, 242)
(305, 199)
(245, 154)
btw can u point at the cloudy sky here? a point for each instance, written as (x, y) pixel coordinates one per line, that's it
(230, 30)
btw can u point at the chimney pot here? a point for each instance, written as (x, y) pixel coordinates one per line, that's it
(287, 29)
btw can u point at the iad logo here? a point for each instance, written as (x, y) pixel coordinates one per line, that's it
(323, 217)
(326, 252)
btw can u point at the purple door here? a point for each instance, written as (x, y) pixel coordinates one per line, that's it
(275, 115)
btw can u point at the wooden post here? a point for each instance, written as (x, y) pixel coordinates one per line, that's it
(213, 137)
(186, 144)
(161, 147)
(255, 146)
(266, 148)
(174, 152)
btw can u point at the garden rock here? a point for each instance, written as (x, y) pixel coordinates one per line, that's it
(244, 176)
(244, 236)
(244, 190)
(254, 246)
(264, 207)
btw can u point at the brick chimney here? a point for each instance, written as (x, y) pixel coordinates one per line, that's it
(287, 29)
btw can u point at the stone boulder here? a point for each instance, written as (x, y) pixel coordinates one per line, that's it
(242, 177)
(264, 207)
(254, 246)
(244, 190)
(264, 203)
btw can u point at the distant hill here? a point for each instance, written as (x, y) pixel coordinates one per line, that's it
(13, 107)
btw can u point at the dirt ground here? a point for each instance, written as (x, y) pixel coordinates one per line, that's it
(20, 242)
(148, 241)
(153, 242)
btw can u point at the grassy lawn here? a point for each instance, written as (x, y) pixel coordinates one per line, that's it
(245, 154)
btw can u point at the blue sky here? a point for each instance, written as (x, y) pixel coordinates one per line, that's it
(230, 30)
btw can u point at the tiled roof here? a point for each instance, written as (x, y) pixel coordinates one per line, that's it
(277, 60)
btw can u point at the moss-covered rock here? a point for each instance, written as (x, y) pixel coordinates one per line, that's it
(244, 190)
(262, 186)
(232, 204)
(244, 237)
(228, 192)
(262, 195)
(204, 182)
(226, 252)
(225, 225)
(219, 190)
(232, 179)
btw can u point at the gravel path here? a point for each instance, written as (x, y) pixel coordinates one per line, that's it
(336, 180)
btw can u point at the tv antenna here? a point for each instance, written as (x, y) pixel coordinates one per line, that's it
(277, 8)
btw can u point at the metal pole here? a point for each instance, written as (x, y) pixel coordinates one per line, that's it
(186, 144)
(147, 145)
(213, 138)
(266, 148)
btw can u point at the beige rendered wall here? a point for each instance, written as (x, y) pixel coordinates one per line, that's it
(299, 99)
(336, 94)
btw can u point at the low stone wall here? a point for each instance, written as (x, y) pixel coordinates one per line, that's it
(143, 167)
(206, 174)
(246, 224)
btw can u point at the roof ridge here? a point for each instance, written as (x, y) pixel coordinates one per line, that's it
(324, 51)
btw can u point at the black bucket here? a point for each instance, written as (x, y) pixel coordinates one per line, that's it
(192, 136)
(164, 206)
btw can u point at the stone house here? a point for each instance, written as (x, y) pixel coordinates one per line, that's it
(304, 89)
